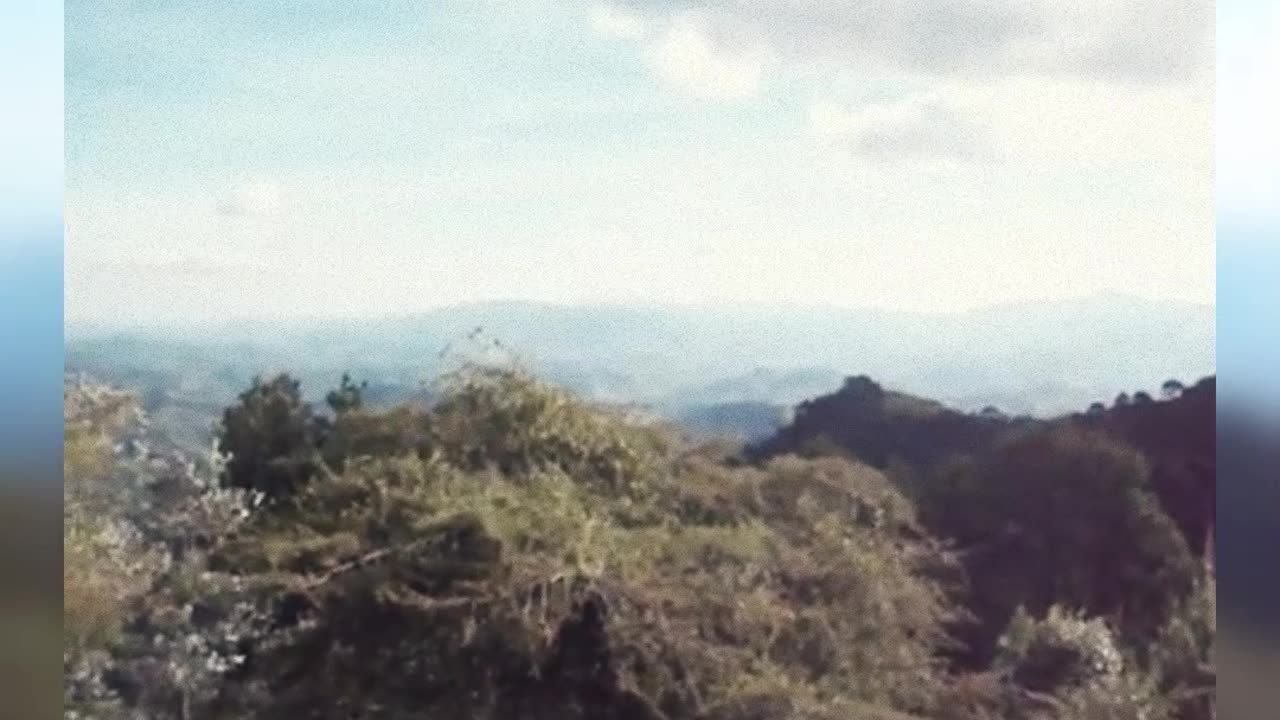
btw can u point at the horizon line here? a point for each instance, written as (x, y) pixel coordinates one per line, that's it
(76, 326)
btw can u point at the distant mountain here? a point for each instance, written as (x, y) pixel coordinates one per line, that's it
(1042, 358)
(785, 387)
(745, 421)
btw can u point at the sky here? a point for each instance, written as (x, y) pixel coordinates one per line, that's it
(248, 159)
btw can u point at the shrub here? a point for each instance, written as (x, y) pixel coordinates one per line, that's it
(549, 559)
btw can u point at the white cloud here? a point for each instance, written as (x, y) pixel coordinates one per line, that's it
(610, 21)
(1103, 87)
(693, 62)
(1143, 41)
(1154, 140)
(919, 126)
(255, 198)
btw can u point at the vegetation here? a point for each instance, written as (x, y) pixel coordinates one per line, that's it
(510, 551)
(1062, 516)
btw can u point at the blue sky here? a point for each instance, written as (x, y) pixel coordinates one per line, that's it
(267, 159)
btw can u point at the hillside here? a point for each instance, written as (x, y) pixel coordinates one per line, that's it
(881, 427)
(504, 549)
(965, 470)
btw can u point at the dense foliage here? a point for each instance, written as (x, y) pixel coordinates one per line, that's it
(508, 551)
(1062, 516)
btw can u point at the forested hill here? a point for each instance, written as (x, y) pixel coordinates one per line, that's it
(505, 550)
(864, 420)
(1174, 429)
(1179, 438)
(1175, 433)
(1015, 488)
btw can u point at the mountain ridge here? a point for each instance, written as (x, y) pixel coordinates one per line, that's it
(1042, 358)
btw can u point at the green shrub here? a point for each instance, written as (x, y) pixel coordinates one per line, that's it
(545, 551)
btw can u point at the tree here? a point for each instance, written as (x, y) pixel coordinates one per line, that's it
(104, 566)
(1171, 388)
(1142, 398)
(991, 412)
(272, 439)
(1063, 516)
(143, 632)
(1097, 409)
(1122, 400)
(348, 396)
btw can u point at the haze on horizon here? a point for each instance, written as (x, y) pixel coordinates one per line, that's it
(231, 160)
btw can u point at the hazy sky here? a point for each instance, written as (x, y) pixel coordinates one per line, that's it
(254, 158)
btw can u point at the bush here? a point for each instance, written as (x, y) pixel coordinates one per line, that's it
(1182, 657)
(1069, 667)
(1062, 651)
(548, 559)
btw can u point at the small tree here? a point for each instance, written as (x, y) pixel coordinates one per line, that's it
(1142, 398)
(271, 437)
(1171, 388)
(1122, 400)
(348, 397)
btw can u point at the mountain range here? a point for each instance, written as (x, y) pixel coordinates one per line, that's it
(746, 364)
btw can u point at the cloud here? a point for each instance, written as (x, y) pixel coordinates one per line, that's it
(918, 127)
(963, 62)
(691, 60)
(1060, 140)
(251, 199)
(1140, 41)
(1149, 42)
(610, 21)
(195, 264)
